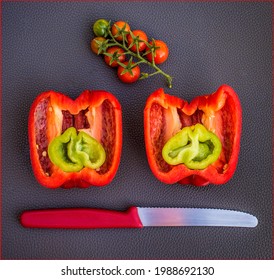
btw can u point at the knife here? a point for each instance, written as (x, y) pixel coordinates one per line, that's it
(134, 217)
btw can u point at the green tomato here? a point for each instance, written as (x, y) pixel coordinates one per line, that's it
(100, 28)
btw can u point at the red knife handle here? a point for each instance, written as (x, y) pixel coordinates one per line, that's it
(81, 218)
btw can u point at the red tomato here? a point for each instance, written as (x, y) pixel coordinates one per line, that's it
(128, 77)
(117, 53)
(94, 44)
(142, 36)
(123, 26)
(160, 50)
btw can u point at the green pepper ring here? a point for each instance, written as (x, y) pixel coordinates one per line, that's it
(194, 146)
(72, 152)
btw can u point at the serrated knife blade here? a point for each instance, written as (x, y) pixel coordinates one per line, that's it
(195, 217)
(134, 217)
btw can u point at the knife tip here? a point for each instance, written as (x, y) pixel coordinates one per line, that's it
(255, 221)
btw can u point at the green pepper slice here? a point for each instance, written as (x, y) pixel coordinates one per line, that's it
(72, 152)
(193, 146)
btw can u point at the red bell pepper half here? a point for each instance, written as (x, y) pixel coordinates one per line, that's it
(92, 125)
(165, 116)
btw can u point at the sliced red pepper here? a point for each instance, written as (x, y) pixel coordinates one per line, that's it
(166, 115)
(96, 113)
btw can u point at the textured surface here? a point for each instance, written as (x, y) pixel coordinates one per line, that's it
(46, 46)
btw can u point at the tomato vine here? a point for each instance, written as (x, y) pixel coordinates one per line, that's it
(134, 45)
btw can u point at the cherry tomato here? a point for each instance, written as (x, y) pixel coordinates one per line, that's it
(142, 36)
(118, 27)
(100, 28)
(160, 51)
(128, 77)
(94, 44)
(117, 53)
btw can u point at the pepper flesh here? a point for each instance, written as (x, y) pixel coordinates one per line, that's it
(194, 146)
(219, 112)
(96, 113)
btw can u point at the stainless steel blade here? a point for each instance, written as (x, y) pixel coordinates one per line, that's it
(195, 217)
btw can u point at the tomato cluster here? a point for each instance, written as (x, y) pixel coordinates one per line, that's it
(120, 46)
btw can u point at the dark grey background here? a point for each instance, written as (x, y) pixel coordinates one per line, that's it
(46, 46)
